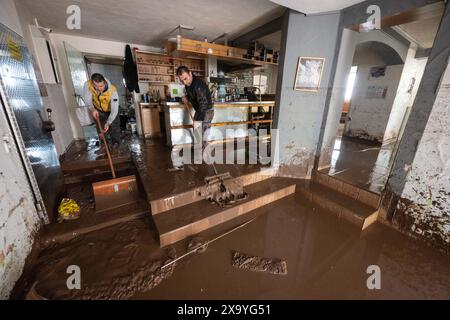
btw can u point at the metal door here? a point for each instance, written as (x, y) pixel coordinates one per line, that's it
(79, 76)
(24, 108)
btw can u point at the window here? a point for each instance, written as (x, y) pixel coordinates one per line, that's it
(260, 81)
(350, 83)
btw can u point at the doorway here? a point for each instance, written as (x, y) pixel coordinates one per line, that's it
(82, 66)
(383, 76)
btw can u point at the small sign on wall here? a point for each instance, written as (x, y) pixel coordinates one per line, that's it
(14, 49)
(376, 92)
(377, 72)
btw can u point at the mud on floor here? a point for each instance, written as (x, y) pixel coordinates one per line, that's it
(259, 264)
(114, 263)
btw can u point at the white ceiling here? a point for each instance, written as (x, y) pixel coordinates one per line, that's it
(148, 22)
(316, 6)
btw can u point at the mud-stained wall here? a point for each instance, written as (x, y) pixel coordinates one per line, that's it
(19, 220)
(424, 207)
(298, 114)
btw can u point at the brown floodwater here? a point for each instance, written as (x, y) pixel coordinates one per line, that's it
(326, 258)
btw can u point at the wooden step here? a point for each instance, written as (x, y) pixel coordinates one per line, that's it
(185, 221)
(182, 199)
(80, 167)
(97, 175)
(344, 206)
(91, 221)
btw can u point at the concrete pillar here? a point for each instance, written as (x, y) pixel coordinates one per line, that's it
(298, 114)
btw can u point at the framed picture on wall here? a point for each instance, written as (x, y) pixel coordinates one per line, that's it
(309, 74)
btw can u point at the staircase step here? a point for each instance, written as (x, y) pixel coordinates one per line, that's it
(367, 197)
(182, 222)
(96, 175)
(344, 206)
(182, 199)
(91, 221)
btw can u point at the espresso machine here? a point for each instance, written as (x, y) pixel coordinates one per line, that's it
(221, 82)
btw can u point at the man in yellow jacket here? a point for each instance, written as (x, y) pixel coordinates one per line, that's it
(102, 99)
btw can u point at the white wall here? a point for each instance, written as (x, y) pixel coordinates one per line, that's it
(368, 117)
(406, 93)
(19, 220)
(85, 45)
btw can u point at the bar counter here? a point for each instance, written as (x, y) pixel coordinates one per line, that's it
(239, 116)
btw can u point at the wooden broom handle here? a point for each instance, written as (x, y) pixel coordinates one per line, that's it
(107, 148)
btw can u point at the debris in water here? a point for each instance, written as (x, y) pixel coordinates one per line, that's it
(198, 244)
(223, 190)
(203, 244)
(259, 264)
(68, 210)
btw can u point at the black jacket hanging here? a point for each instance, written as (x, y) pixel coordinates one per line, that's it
(130, 71)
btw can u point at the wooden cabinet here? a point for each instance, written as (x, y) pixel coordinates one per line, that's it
(150, 120)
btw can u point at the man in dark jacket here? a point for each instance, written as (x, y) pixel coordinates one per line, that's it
(199, 95)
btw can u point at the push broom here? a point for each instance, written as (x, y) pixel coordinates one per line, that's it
(116, 192)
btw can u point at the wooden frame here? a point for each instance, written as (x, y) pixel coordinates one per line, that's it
(311, 86)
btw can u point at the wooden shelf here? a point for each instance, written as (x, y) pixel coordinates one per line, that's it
(169, 71)
(155, 82)
(155, 64)
(200, 49)
(157, 74)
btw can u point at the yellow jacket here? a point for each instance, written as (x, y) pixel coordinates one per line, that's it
(102, 102)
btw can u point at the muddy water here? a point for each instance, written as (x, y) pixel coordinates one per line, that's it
(152, 160)
(326, 258)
